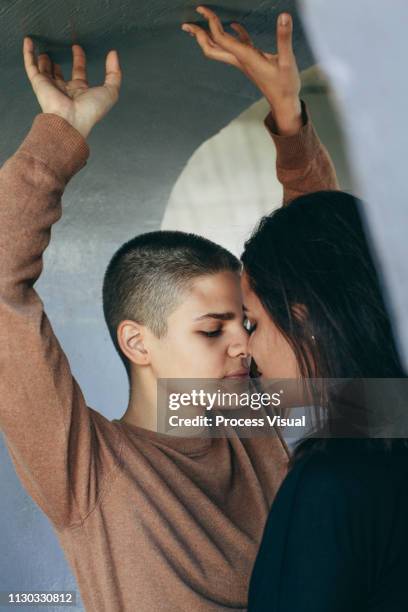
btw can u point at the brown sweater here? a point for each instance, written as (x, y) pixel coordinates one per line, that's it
(148, 522)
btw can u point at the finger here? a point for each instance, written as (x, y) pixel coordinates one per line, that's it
(45, 64)
(30, 60)
(210, 49)
(215, 25)
(203, 38)
(58, 74)
(113, 76)
(284, 30)
(270, 56)
(243, 35)
(220, 37)
(242, 52)
(78, 63)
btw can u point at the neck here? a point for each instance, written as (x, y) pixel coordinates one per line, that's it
(142, 410)
(142, 406)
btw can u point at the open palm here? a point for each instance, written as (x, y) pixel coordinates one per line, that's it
(74, 100)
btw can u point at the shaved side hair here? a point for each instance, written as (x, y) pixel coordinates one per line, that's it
(148, 275)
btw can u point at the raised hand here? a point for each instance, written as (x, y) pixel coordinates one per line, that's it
(74, 100)
(276, 75)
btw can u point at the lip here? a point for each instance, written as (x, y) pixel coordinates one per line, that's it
(238, 374)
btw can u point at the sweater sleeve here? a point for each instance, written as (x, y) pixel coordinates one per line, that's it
(57, 450)
(302, 162)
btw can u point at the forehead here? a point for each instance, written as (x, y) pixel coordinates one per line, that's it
(249, 298)
(220, 292)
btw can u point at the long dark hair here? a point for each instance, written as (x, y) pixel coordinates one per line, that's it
(310, 265)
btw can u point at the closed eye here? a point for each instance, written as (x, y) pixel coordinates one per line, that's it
(212, 334)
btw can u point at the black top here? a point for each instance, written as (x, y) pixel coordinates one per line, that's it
(336, 539)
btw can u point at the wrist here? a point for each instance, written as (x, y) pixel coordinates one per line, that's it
(83, 130)
(288, 116)
(82, 127)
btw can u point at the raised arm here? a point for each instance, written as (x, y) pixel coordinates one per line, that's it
(58, 452)
(303, 163)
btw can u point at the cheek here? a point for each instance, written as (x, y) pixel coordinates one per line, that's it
(258, 349)
(194, 356)
(273, 354)
(210, 355)
(209, 361)
(170, 357)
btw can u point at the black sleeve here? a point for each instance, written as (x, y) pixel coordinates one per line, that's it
(312, 556)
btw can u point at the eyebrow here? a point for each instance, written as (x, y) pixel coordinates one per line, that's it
(220, 316)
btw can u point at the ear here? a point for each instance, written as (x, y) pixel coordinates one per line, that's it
(300, 312)
(132, 341)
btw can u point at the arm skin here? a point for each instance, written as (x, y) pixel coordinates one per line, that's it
(58, 453)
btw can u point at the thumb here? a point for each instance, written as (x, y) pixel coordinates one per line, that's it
(284, 30)
(113, 76)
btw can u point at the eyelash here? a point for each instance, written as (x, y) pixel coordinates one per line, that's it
(250, 328)
(212, 334)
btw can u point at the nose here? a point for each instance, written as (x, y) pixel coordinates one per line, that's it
(239, 346)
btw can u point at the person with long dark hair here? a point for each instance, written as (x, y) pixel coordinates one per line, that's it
(337, 534)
